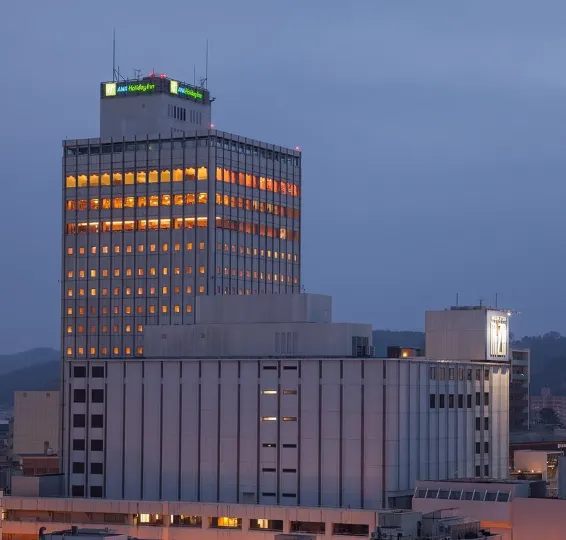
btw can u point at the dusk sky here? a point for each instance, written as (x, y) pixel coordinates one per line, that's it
(433, 137)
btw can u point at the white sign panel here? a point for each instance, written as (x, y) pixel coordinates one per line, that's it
(497, 336)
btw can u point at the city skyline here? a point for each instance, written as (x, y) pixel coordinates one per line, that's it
(482, 125)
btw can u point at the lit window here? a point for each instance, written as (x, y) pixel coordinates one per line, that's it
(163, 309)
(189, 247)
(165, 247)
(128, 291)
(104, 292)
(201, 289)
(140, 351)
(116, 291)
(69, 351)
(140, 248)
(116, 249)
(81, 273)
(165, 271)
(81, 251)
(189, 289)
(69, 311)
(177, 271)
(289, 419)
(152, 248)
(229, 522)
(177, 247)
(69, 329)
(140, 310)
(152, 309)
(269, 418)
(201, 270)
(115, 350)
(128, 272)
(164, 289)
(152, 271)
(69, 252)
(201, 246)
(116, 310)
(105, 273)
(152, 290)
(81, 351)
(177, 309)
(189, 269)
(70, 274)
(81, 292)
(92, 351)
(104, 328)
(269, 392)
(93, 273)
(140, 291)
(140, 328)
(104, 351)
(93, 292)
(128, 328)
(128, 310)
(105, 250)
(117, 272)
(128, 248)
(189, 308)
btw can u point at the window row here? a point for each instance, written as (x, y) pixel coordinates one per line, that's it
(95, 227)
(97, 372)
(459, 494)
(104, 328)
(79, 468)
(96, 445)
(457, 401)
(229, 176)
(257, 206)
(105, 310)
(96, 395)
(443, 374)
(104, 351)
(151, 309)
(96, 420)
(129, 248)
(137, 177)
(178, 247)
(151, 271)
(136, 202)
(186, 142)
(274, 418)
(267, 276)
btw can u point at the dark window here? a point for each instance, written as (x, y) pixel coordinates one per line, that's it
(432, 372)
(451, 373)
(78, 444)
(96, 468)
(270, 367)
(268, 469)
(80, 373)
(96, 421)
(486, 447)
(290, 470)
(486, 398)
(486, 470)
(478, 424)
(432, 401)
(96, 491)
(98, 396)
(478, 399)
(289, 446)
(442, 373)
(290, 367)
(469, 401)
(79, 395)
(478, 448)
(98, 372)
(478, 470)
(451, 401)
(269, 445)
(268, 494)
(78, 467)
(441, 401)
(79, 420)
(486, 375)
(460, 401)
(478, 374)
(486, 423)
(96, 445)
(288, 495)
(469, 375)
(77, 491)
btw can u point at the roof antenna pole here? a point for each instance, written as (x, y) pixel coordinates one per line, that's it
(496, 300)
(114, 55)
(206, 67)
(194, 75)
(457, 304)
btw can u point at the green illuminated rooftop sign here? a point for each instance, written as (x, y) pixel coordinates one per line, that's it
(120, 89)
(184, 91)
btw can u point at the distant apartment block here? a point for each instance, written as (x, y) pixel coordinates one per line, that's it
(547, 401)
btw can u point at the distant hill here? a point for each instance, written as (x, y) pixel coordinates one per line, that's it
(12, 362)
(395, 338)
(38, 377)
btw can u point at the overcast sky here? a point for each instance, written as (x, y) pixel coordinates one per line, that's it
(433, 137)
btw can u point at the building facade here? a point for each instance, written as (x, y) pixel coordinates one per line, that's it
(154, 219)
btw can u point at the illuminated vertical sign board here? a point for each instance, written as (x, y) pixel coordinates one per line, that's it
(497, 336)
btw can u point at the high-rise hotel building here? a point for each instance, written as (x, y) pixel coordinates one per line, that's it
(162, 208)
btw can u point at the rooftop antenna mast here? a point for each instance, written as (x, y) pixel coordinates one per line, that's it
(204, 80)
(114, 55)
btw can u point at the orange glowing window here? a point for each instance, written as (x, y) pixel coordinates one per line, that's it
(166, 176)
(141, 177)
(190, 173)
(177, 175)
(129, 178)
(153, 177)
(105, 179)
(202, 173)
(71, 182)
